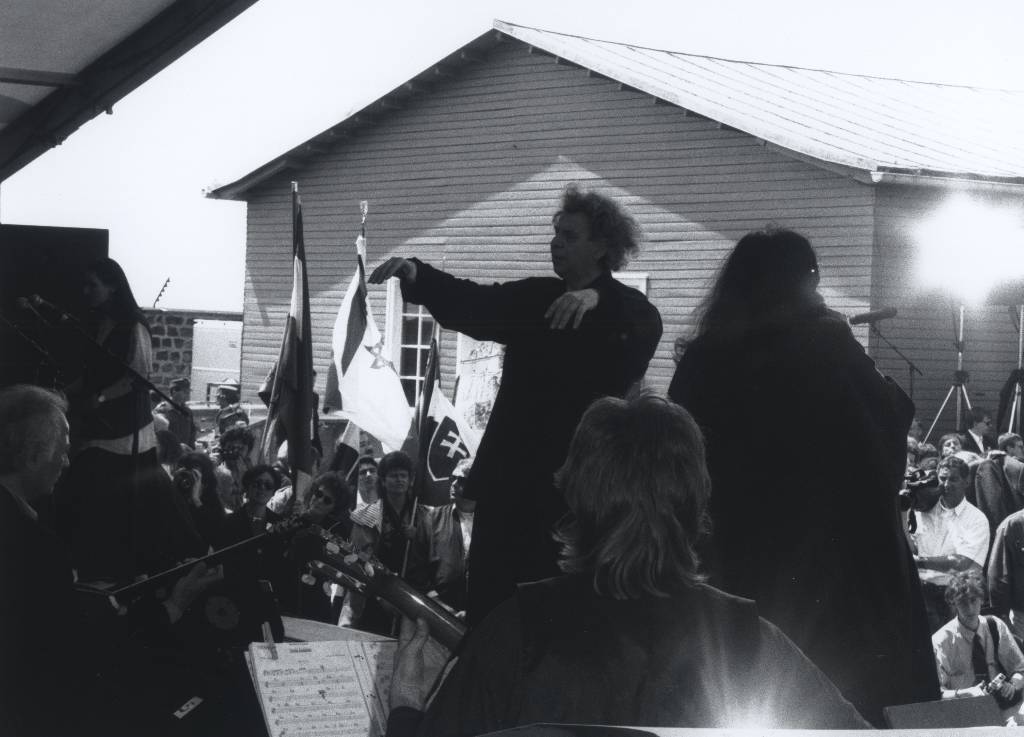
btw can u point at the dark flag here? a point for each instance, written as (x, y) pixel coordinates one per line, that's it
(291, 403)
(445, 438)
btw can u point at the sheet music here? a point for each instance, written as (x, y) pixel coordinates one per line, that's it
(315, 689)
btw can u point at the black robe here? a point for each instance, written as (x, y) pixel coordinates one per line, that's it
(806, 451)
(549, 378)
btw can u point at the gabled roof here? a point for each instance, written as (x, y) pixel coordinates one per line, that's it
(63, 62)
(874, 129)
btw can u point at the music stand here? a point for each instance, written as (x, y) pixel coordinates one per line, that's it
(960, 376)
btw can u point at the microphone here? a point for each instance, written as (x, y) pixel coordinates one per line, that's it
(23, 304)
(38, 301)
(874, 316)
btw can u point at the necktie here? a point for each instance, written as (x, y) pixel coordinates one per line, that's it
(978, 661)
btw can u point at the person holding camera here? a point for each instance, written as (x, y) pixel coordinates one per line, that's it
(972, 651)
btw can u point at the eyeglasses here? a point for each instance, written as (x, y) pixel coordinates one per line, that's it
(328, 499)
(367, 471)
(263, 484)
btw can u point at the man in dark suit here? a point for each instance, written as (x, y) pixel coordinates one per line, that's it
(179, 422)
(48, 678)
(978, 436)
(569, 339)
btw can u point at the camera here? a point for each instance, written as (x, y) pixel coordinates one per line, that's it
(915, 480)
(184, 480)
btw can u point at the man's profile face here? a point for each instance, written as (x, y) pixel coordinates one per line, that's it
(953, 487)
(181, 394)
(982, 426)
(573, 253)
(1016, 450)
(51, 459)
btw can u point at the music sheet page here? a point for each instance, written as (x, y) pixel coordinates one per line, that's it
(315, 689)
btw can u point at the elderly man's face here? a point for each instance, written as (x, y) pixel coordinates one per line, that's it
(50, 460)
(951, 446)
(953, 487)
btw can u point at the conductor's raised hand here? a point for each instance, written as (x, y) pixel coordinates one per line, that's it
(400, 267)
(569, 309)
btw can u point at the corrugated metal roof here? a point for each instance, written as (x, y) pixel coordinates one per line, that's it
(872, 128)
(866, 123)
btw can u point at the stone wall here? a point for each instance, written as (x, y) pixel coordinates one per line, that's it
(172, 341)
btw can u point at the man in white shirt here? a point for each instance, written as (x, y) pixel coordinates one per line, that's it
(952, 536)
(971, 650)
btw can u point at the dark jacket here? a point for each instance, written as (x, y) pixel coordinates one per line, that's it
(806, 451)
(548, 379)
(559, 652)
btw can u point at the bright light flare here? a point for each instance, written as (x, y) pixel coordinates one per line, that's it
(968, 246)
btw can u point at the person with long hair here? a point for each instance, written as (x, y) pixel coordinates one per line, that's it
(114, 443)
(629, 634)
(819, 547)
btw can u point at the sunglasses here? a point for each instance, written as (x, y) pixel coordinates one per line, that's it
(328, 499)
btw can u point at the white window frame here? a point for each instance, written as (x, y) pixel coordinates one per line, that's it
(393, 317)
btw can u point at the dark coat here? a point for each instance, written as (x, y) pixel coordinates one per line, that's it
(548, 380)
(558, 652)
(806, 450)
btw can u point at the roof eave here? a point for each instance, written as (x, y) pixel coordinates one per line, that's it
(110, 78)
(373, 112)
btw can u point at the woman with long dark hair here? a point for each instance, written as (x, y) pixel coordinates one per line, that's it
(114, 443)
(818, 546)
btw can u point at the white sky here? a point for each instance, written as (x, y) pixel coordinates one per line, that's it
(287, 69)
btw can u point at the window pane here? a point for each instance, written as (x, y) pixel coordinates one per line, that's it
(408, 363)
(409, 331)
(426, 329)
(409, 385)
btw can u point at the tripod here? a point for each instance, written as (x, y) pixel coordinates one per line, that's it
(1017, 377)
(959, 380)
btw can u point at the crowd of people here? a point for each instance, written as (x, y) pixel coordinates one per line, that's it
(614, 560)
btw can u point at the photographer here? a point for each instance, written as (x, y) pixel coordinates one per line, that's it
(233, 461)
(971, 651)
(196, 481)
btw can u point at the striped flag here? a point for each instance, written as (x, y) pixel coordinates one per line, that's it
(361, 381)
(445, 438)
(291, 403)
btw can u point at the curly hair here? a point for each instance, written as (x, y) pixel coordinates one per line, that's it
(964, 586)
(608, 222)
(637, 486)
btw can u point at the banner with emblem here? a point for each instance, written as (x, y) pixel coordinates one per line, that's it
(445, 437)
(361, 381)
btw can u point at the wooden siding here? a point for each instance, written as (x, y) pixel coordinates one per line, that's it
(469, 174)
(924, 327)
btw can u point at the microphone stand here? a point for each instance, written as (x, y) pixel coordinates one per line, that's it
(58, 376)
(911, 367)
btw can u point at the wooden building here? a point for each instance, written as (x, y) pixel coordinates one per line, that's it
(463, 166)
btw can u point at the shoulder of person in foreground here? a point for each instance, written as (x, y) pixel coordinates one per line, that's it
(794, 693)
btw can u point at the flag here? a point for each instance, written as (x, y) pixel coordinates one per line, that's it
(361, 381)
(288, 390)
(346, 452)
(445, 438)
